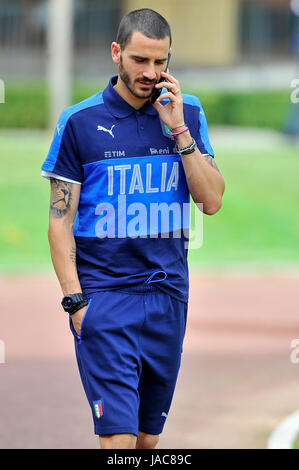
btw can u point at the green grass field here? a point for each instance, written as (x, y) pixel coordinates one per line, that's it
(258, 224)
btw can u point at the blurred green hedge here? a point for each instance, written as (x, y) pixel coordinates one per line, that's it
(26, 106)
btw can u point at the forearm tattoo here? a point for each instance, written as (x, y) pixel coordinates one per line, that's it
(211, 162)
(73, 255)
(61, 197)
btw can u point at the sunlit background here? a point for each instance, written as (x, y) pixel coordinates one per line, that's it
(241, 59)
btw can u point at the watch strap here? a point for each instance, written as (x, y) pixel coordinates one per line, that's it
(77, 306)
(71, 303)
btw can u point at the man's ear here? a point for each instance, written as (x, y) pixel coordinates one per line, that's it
(115, 52)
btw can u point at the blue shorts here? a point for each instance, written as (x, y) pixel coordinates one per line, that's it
(129, 355)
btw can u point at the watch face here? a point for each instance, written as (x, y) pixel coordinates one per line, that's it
(68, 302)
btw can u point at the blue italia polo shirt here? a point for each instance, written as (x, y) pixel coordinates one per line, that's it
(132, 221)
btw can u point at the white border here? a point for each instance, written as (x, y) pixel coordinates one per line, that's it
(48, 175)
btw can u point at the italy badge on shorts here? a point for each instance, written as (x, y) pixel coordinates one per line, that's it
(98, 408)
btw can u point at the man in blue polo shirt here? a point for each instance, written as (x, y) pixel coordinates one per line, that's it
(122, 165)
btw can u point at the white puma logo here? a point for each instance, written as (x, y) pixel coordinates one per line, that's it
(101, 128)
(59, 128)
(164, 414)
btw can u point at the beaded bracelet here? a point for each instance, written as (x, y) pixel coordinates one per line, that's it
(180, 132)
(187, 150)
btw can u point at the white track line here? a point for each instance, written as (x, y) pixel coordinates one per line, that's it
(284, 435)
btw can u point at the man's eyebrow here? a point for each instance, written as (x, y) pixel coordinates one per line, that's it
(146, 58)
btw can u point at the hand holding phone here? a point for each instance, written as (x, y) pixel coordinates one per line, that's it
(157, 91)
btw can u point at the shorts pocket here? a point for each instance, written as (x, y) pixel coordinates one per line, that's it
(83, 323)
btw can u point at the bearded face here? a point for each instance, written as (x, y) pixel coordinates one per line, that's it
(140, 87)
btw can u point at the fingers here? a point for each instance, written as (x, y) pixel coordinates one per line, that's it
(157, 105)
(171, 84)
(77, 318)
(174, 94)
(175, 89)
(170, 78)
(170, 96)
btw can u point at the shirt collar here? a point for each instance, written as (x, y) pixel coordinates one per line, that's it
(118, 107)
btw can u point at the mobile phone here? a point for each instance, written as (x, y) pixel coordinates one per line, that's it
(157, 91)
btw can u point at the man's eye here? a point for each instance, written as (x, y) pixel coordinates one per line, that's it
(139, 60)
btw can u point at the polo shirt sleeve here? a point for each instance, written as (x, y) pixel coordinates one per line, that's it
(63, 160)
(202, 140)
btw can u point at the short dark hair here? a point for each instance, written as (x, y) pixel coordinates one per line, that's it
(146, 21)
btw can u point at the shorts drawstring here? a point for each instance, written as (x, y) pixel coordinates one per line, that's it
(151, 278)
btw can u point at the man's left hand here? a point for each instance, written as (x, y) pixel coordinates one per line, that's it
(172, 113)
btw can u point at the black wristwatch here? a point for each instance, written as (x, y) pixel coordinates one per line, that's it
(73, 302)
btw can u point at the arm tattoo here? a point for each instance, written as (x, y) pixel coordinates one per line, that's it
(73, 255)
(62, 197)
(211, 162)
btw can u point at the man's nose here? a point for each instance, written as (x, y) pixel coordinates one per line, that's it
(150, 72)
